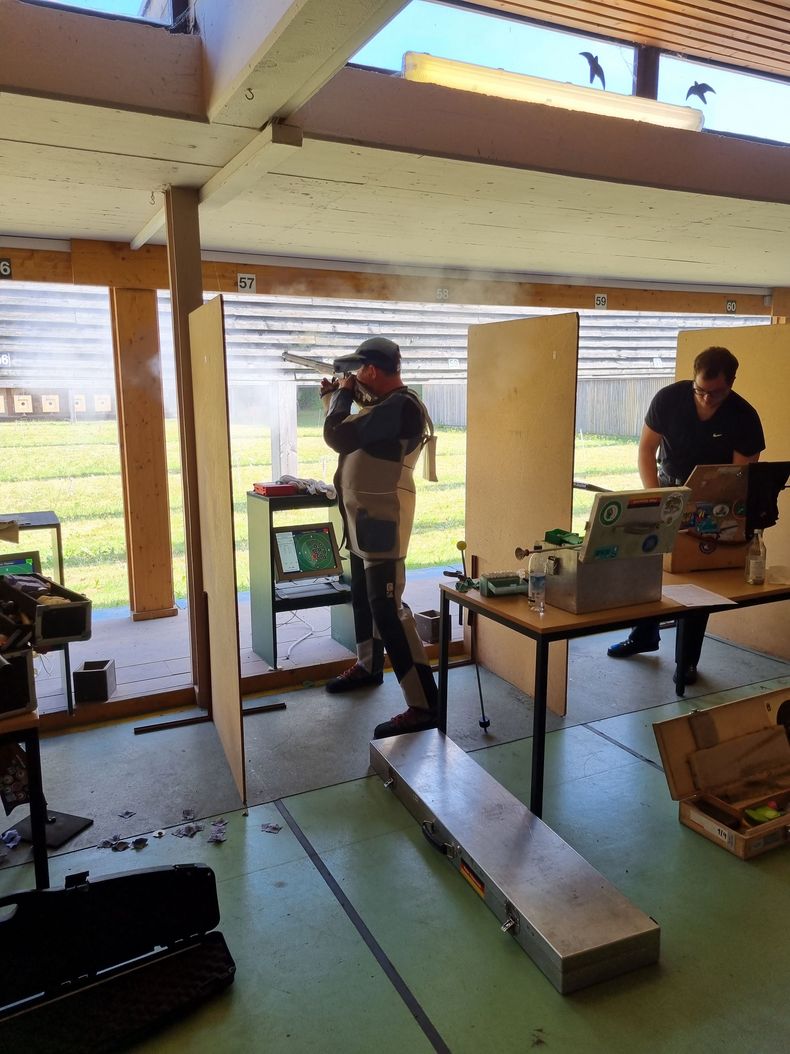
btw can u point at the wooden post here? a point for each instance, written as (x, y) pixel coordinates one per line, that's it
(141, 427)
(780, 306)
(186, 290)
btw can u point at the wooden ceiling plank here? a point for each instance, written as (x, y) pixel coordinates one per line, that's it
(771, 13)
(676, 34)
(589, 17)
(68, 166)
(762, 36)
(111, 131)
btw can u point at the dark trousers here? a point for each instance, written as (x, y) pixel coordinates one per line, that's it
(646, 635)
(382, 621)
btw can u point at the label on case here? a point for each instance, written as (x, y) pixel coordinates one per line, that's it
(723, 834)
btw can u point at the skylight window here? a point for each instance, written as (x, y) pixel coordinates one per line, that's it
(741, 103)
(491, 40)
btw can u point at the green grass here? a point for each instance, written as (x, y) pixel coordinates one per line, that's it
(74, 469)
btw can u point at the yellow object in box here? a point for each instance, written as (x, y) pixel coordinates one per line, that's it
(729, 761)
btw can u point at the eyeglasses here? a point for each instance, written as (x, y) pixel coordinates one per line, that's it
(716, 393)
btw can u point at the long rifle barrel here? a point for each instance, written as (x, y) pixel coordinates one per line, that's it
(324, 368)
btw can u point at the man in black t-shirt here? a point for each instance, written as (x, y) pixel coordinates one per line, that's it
(690, 423)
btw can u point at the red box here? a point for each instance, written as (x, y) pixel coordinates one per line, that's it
(275, 490)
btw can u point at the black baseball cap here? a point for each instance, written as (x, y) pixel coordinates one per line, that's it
(377, 351)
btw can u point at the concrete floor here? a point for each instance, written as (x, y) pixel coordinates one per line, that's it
(358, 937)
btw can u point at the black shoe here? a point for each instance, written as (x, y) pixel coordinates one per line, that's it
(628, 647)
(354, 677)
(690, 676)
(411, 720)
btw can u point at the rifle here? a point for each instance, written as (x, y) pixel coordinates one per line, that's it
(327, 369)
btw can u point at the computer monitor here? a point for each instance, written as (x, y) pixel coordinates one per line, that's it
(633, 523)
(307, 551)
(20, 563)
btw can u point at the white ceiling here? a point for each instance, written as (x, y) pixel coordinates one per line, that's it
(338, 201)
(72, 170)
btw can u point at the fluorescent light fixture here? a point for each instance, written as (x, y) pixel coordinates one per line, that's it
(485, 81)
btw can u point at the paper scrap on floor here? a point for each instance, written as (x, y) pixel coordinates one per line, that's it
(694, 596)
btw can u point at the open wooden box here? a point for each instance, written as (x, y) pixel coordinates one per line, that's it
(52, 624)
(721, 762)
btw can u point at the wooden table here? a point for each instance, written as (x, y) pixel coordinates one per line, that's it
(557, 625)
(24, 730)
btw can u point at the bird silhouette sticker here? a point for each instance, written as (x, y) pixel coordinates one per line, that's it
(596, 69)
(699, 90)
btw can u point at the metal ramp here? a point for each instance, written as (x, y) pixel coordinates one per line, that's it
(568, 918)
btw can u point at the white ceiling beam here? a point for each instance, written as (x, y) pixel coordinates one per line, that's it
(265, 60)
(149, 230)
(269, 148)
(272, 146)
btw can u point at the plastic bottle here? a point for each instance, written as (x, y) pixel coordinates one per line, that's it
(755, 560)
(537, 578)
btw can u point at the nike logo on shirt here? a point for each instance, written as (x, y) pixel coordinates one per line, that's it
(717, 435)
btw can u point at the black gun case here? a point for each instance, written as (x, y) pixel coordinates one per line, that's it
(99, 965)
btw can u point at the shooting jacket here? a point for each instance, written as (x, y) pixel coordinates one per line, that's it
(378, 447)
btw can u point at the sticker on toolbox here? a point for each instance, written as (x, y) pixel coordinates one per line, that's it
(724, 834)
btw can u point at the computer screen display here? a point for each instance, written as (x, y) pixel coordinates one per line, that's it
(20, 563)
(308, 551)
(633, 523)
(728, 503)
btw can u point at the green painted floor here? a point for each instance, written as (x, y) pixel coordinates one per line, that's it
(308, 982)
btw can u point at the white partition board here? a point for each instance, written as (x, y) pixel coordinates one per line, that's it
(215, 499)
(521, 413)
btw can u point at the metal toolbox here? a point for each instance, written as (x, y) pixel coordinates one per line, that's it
(619, 562)
(569, 919)
(726, 762)
(579, 587)
(52, 624)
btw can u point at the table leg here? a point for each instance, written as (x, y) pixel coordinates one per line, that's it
(38, 809)
(445, 633)
(680, 665)
(539, 725)
(69, 685)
